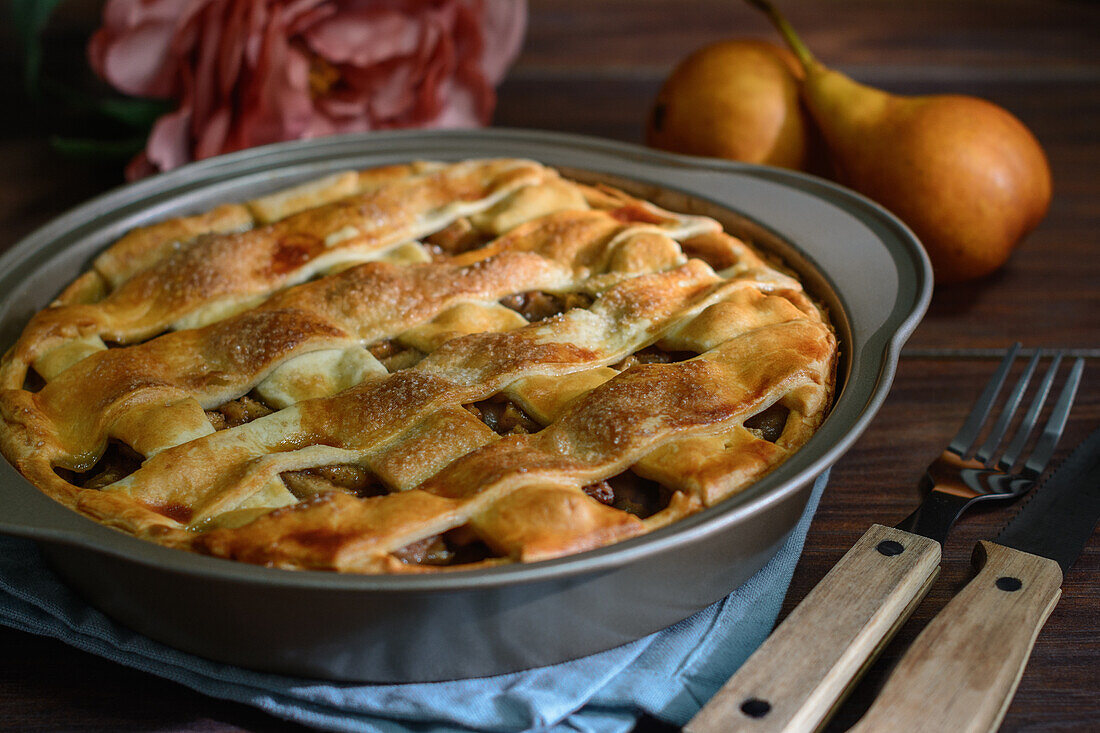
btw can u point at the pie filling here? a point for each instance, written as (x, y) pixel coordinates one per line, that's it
(768, 424)
(653, 355)
(237, 412)
(458, 237)
(537, 305)
(346, 477)
(394, 356)
(629, 492)
(33, 382)
(117, 462)
(459, 546)
(503, 416)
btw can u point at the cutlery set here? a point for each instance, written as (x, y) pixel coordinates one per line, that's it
(970, 657)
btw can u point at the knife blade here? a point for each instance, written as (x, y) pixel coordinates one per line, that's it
(970, 657)
(1057, 520)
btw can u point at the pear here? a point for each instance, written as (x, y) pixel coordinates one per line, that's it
(965, 175)
(735, 99)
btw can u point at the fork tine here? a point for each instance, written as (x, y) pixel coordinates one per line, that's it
(985, 453)
(1012, 453)
(1008, 460)
(1044, 449)
(968, 433)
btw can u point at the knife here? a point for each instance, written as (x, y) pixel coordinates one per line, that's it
(962, 671)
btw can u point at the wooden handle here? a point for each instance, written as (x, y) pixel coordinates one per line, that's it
(961, 672)
(802, 672)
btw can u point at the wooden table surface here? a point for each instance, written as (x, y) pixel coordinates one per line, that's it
(594, 67)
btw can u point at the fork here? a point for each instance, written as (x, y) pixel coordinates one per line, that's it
(965, 474)
(802, 671)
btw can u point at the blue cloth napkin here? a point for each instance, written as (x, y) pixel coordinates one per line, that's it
(669, 674)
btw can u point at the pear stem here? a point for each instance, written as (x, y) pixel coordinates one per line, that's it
(787, 31)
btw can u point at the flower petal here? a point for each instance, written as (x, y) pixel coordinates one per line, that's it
(169, 143)
(504, 23)
(137, 62)
(364, 37)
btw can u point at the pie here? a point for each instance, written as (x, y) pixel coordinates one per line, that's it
(416, 368)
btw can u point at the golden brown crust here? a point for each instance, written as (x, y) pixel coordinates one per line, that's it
(312, 398)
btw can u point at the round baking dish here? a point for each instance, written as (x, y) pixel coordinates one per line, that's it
(854, 256)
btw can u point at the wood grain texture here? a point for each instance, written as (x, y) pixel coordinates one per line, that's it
(796, 678)
(594, 68)
(970, 38)
(961, 672)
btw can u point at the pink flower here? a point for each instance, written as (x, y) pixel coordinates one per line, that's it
(251, 72)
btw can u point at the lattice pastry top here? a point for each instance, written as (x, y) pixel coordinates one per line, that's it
(415, 368)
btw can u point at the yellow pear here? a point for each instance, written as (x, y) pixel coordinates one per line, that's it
(968, 178)
(735, 99)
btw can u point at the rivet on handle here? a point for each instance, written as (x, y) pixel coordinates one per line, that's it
(890, 548)
(755, 707)
(1008, 583)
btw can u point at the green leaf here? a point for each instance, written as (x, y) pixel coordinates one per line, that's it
(136, 112)
(88, 149)
(28, 19)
